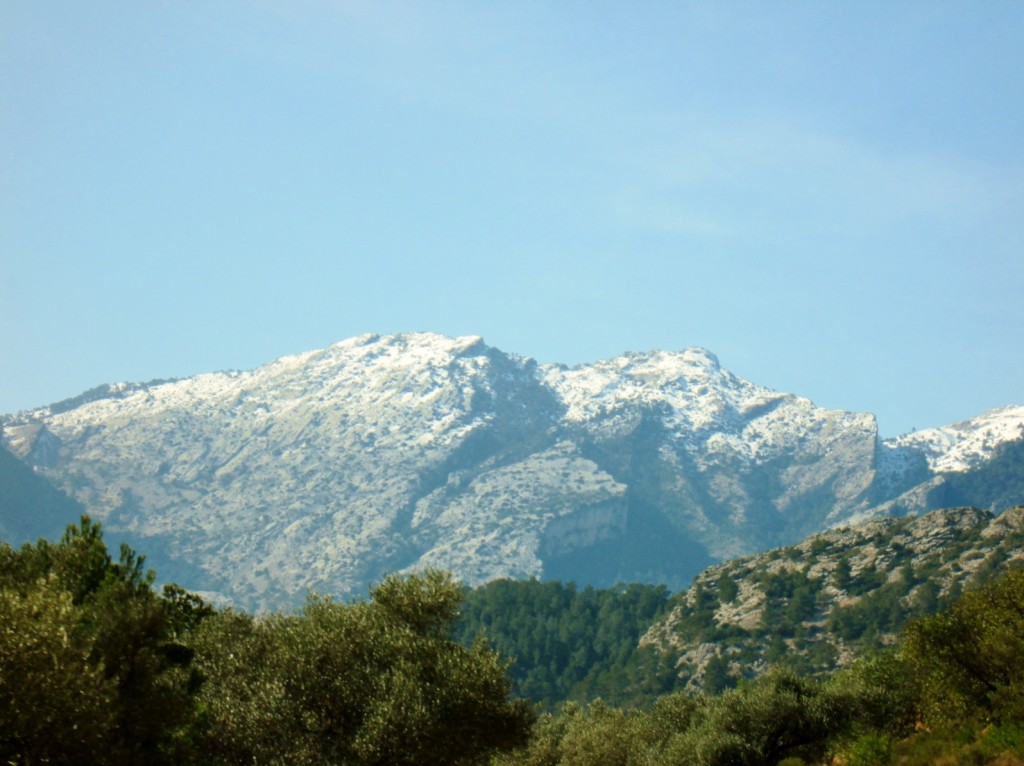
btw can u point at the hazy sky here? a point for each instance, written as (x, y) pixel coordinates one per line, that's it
(829, 196)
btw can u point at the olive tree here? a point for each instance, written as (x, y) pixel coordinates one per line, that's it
(375, 682)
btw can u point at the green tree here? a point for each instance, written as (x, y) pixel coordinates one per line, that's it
(377, 682)
(843, 575)
(969, 656)
(716, 676)
(728, 590)
(112, 633)
(56, 704)
(780, 715)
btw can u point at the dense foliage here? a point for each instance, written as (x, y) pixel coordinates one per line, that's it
(780, 716)
(91, 665)
(97, 668)
(571, 644)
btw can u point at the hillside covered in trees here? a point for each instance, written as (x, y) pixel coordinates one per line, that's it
(950, 691)
(569, 643)
(97, 667)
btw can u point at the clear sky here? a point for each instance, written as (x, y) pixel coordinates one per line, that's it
(829, 196)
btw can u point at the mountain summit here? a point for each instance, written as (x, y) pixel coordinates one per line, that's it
(330, 468)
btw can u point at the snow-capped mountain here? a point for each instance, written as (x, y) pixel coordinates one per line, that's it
(330, 468)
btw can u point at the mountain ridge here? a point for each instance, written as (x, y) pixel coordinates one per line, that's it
(330, 468)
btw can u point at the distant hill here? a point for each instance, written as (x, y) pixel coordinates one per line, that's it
(331, 468)
(836, 595)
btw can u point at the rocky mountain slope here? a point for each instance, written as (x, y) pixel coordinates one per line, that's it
(821, 603)
(330, 468)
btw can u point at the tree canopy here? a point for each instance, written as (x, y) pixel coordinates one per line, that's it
(96, 667)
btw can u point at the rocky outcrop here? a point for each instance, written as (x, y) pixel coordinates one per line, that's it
(823, 602)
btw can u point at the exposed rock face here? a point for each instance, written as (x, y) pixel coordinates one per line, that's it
(722, 453)
(330, 468)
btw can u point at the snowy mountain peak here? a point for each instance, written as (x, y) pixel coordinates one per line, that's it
(421, 342)
(689, 387)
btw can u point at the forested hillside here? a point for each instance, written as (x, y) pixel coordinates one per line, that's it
(950, 691)
(568, 643)
(814, 607)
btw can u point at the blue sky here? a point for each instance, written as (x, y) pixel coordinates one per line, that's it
(829, 196)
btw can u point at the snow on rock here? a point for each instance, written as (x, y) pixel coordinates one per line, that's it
(330, 468)
(960, 446)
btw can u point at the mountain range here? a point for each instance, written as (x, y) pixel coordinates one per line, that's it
(328, 469)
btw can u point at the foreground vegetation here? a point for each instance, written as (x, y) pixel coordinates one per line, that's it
(96, 667)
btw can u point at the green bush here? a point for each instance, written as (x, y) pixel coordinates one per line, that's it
(871, 750)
